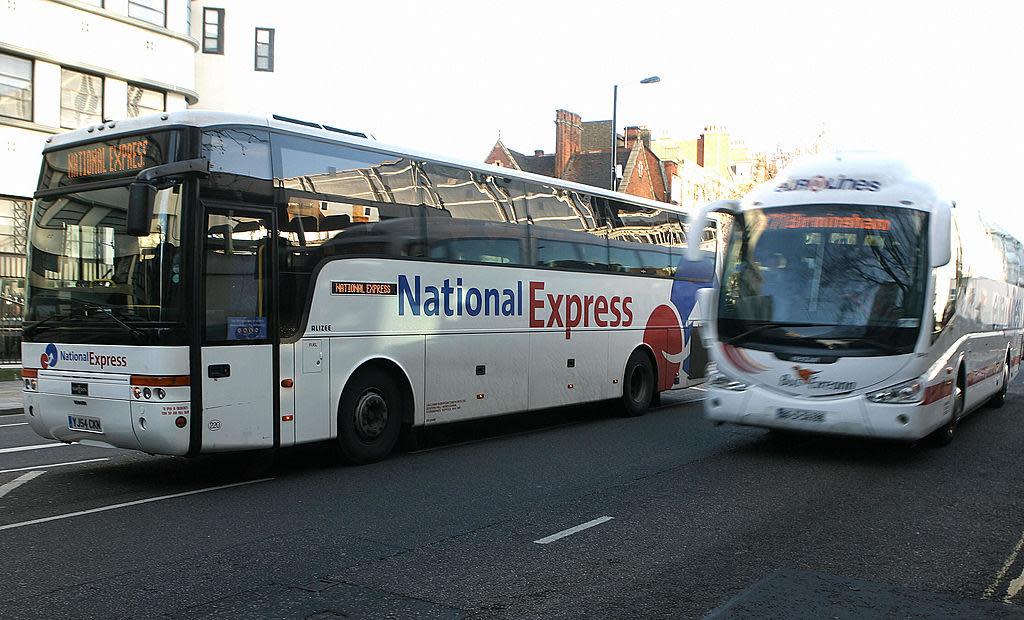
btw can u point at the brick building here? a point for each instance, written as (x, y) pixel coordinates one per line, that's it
(583, 155)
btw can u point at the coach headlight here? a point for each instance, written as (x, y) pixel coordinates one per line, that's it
(902, 393)
(718, 380)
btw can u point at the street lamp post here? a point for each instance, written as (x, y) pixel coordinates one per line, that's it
(615, 102)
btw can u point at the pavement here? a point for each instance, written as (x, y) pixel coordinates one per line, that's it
(10, 397)
(571, 513)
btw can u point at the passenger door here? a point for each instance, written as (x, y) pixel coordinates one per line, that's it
(238, 350)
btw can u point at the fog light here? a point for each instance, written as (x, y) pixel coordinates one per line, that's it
(180, 421)
(148, 393)
(902, 419)
(160, 393)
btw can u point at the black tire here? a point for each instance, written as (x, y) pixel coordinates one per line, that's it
(369, 417)
(999, 398)
(945, 434)
(638, 386)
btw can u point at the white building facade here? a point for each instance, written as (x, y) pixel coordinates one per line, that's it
(237, 66)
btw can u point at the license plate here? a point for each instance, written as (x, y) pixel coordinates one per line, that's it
(84, 423)
(802, 415)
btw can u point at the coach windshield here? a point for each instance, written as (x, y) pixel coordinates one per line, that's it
(87, 276)
(849, 279)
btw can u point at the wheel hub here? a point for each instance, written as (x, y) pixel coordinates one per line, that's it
(371, 415)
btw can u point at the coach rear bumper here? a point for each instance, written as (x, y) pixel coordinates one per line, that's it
(853, 415)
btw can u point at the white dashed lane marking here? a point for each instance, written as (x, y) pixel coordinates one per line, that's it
(573, 530)
(17, 482)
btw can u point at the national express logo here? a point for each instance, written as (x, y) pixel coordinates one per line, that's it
(565, 311)
(667, 330)
(49, 358)
(52, 355)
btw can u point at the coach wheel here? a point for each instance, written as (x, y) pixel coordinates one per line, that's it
(638, 385)
(369, 417)
(999, 399)
(944, 436)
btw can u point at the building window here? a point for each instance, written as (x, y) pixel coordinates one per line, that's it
(142, 101)
(188, 17)
(213, 31)
(152, 11)
(81, 99)
(264, 49)
(15, 87)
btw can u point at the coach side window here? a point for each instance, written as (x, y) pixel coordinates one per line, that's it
(566, 231)
(641, 238)
(467, 194)
(325, 168)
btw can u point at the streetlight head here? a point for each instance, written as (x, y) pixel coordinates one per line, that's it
(651, 80)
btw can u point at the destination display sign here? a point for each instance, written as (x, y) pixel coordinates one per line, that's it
(363, 288)
(109, 159)
(799, 220)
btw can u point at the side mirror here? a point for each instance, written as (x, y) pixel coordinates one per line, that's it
(939, 232)
(707, 310)
(141, 197)
(142, 192)
(700, 220)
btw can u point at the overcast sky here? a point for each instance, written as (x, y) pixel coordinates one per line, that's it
(938, 83)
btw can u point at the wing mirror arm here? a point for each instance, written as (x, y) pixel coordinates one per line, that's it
(700, 220)
(142, 191)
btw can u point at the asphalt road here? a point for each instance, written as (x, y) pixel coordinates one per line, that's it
(725, 521)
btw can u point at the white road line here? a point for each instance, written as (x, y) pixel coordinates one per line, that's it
(1014, 587)
(17, 424)
(17, 482)
(80, 513)
(570, 531)
(51, 465)
(35, 447)
(991, 589)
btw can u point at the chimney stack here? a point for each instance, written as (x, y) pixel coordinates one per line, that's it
(568, 139)
(538, 153)
(640, 133)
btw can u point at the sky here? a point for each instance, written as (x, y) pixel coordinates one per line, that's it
(935, 83)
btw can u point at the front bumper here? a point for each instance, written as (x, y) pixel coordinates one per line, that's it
(149, 427)
(852, 415)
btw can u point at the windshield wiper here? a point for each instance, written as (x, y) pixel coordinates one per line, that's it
(109, 312)
(878, 344)
(760, 328)
(31, 330)
(86, 305)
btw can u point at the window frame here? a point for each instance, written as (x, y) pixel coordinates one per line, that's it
(103, 90)
(31, 89)
(219, 49)
(139, 4)
(163, 93)
(270, 50)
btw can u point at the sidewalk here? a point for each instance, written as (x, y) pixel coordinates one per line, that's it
(10, 397)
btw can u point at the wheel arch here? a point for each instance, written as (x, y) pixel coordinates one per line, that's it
(395, 370)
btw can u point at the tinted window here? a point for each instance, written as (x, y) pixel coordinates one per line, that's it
(641, 239)
(467, 194)
(241, 151)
